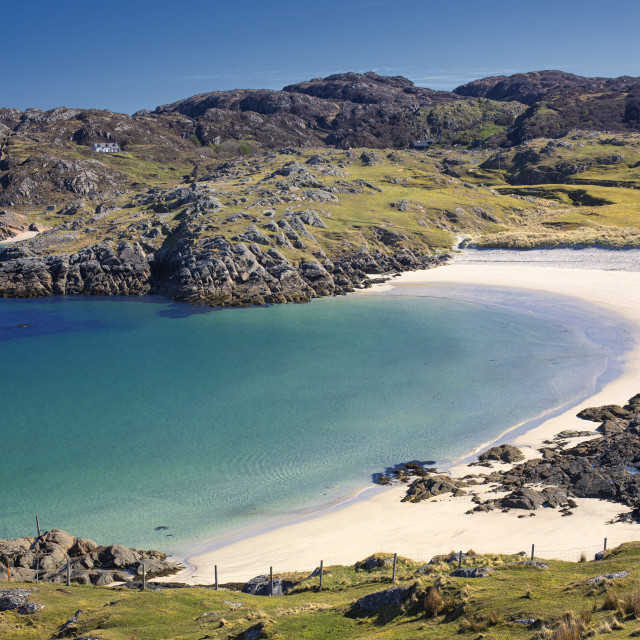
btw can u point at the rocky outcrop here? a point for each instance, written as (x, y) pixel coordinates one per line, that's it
(98, 270)
(604, 468)
(90, 563)
(211, 271)
(261, 586)
(11, 224)
(372, 602)
(502, 453)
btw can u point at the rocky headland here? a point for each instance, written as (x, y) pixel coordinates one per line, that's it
(210, 271)
(604, 465)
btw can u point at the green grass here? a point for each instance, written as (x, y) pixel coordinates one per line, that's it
(598, 206)
(469, 606)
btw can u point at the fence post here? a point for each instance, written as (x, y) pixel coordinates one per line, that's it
(68, 571)
(321, 572)
(37, 570)
(270, 581)
(38, 526)
(605, 544)
(216, 575)
(395, 560)
(533, 546)
(460, 560)
(144, 577)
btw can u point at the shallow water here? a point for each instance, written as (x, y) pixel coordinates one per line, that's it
(119, 416)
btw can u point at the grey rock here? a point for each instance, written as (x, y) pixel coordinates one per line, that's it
(502, 453)
(260, 586)
(610, 576)
(476, 572)
(375, 601)
(13, 599)
(30, 607)
(370, 158)
(523, 499)
(535, 564)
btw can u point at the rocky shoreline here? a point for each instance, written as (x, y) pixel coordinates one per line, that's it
(575, 464)
(211, 271)
(45, 558)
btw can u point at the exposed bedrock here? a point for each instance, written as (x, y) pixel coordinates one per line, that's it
(211, 271)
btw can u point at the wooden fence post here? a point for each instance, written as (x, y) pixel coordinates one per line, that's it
(533, 546)
(321, 572)
(38, 526)
(68, 571)
(605, 544)
(216, 573)
(460, 560)
(270, 581)
(144, 577)
(395, 560)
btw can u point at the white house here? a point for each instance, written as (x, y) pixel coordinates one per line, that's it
(106, 147)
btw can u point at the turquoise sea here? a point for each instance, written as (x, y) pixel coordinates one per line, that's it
(120, 416)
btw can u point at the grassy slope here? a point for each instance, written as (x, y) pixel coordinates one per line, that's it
(597, 205)
(469, 606)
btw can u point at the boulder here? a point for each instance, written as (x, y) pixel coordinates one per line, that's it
(370, 158)
(259, 586)
(610, 576)
(13, 599)
(606, 412)
(116, 556)
(372, 602)
(502, 453)
(476, 572)
(30, 607)
(434, 485)
(81, 547)
(523, 499)
(554, 497)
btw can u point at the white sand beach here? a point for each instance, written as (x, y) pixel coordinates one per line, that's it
(381, 522)
(25, 235)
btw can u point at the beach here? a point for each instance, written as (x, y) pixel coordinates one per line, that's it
(378, 521)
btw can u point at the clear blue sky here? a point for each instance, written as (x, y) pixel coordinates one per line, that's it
(134, 54)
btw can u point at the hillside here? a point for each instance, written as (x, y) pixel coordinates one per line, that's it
(494, 596)
(256, 196)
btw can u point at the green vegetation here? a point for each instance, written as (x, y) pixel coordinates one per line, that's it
(578, 190)
(555, 603)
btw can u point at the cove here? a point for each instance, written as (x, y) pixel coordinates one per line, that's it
(156, 424)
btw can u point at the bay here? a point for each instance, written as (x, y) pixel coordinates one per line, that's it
(120, 417)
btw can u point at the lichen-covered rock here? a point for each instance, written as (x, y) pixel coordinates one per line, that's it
(13, 599)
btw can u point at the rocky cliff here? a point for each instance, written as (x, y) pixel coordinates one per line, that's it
(211, 271)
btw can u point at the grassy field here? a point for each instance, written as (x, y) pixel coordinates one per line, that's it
(562, 601)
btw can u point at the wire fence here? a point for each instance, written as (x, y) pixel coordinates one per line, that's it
(67, 573)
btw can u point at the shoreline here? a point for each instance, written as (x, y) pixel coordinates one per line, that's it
(355, 528)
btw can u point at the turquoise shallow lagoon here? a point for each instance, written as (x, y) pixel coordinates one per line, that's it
(119, 416)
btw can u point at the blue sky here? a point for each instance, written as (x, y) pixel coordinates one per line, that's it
(135, 54)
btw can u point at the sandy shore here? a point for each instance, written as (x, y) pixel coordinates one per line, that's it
(25, 235)
(383, 523)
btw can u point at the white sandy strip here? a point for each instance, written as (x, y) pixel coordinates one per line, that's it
(383, 523)
(25, 235)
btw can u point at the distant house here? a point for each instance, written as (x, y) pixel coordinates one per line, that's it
(106, 147)
(422, 144)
